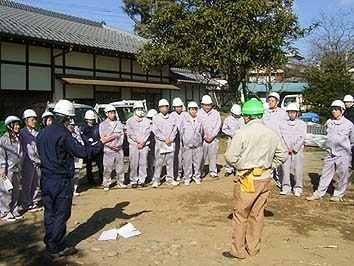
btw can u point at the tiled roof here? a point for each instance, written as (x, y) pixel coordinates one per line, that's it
(30, 22)
(188, 76)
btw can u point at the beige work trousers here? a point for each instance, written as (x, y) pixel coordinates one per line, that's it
(248, 218)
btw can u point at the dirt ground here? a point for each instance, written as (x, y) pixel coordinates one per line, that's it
(190, 226)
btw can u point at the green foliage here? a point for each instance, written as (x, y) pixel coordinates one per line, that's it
(224, 36)
(140, 11)
(328, 82)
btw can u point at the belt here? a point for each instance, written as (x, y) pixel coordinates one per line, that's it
(257, 173)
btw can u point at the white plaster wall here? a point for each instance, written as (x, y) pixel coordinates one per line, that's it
(39, 78)
(13, 77)
(13, 51)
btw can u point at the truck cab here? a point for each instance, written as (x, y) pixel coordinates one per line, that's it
(293, 98)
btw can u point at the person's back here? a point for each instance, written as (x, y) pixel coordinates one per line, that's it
(256, 146)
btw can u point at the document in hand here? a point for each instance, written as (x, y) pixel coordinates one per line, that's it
(7, 183)
(164, 148)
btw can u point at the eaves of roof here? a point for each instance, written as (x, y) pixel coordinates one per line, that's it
(24, 21)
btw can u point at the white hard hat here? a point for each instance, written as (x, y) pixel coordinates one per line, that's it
(348, 98)
(109, 108)
(151, 113)
(177, 102)
(192, 105)
(138, 104)
(338, 103)
(64, 107)
(292, 107)
(29, 113)
(275, 95)
(10, 119)
(163, 102)
(236, 109)
(206, 99)
(72, 121)
(46, 114)
(90, 115)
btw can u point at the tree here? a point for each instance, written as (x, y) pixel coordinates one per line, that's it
(221, 36)
(331, 61)
(140, 11)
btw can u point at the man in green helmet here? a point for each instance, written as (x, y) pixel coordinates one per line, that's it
(254, 151)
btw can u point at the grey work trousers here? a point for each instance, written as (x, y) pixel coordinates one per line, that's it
(296, 162)
(113, 160)
(161, 160)
(211, 151)
(138, 164)
(334, 165)
(9, 199)
(192, 158)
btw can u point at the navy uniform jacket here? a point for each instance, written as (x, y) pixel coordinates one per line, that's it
(349, 114)
(90, 134)
(57, 149)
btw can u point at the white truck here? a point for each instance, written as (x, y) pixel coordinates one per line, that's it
(293, 98)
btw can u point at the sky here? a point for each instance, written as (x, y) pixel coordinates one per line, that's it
(111, 12)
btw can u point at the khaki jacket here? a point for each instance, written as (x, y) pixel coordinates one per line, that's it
(256, 146)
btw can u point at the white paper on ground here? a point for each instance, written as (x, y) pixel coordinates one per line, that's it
(109, 235)
(128, 230)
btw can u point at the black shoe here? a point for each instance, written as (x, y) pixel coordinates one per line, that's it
(227, 254)
(68, 251)
(143, 185)
(227, 174)
(134, 185)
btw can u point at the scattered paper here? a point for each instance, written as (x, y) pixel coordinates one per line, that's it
(326, 246)
(109, 235)
(128, 230)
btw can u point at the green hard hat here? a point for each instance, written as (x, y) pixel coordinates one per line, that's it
(252, 107)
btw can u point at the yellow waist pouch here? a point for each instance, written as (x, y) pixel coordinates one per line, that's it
(245, 177)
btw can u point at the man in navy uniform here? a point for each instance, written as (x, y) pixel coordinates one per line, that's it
(57, 149)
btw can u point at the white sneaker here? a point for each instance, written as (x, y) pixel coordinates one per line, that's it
(173, 183)
(121, 185)
(297, 194)
(9, 217)
(106, 188)
(198, 182)
(178, 178)
(155, 184)
(187, 183)
(284, 193)
(17, 215)
(214, 175)
(76, 194)
(35, 208)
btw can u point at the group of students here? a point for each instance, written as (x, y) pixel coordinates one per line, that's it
(19, 167)
(159, 139)
(339, 146)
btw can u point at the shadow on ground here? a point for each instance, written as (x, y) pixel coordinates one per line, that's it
(98, 221)
(20, 245)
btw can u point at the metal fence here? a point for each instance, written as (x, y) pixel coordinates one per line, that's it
(316, 135)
